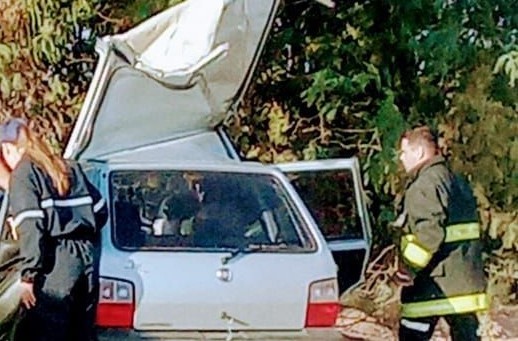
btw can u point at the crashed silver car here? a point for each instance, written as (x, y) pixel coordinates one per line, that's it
(200, 243)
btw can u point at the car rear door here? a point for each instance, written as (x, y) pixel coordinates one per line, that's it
(332, 190)
(252, 273)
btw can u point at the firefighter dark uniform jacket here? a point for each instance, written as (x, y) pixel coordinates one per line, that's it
(45, 218)
(442, 247)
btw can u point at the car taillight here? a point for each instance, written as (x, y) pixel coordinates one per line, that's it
(116, 304)
(323, 305)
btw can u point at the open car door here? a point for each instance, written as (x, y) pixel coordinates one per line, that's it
(332, 191)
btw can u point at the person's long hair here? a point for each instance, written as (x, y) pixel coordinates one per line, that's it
(41, 155)
(5, 173)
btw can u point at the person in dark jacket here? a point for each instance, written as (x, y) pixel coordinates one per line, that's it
(5, 174)
(57, 214)
(442, 249)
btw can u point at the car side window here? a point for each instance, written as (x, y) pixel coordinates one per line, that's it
(330, 196)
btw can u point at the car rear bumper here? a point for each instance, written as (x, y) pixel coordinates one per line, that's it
(316, 334)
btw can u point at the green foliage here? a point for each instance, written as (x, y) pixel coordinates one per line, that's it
(137, 10)
(53, 26)
(483, 136)
(508, 63)
(47, 56)
(46, 61)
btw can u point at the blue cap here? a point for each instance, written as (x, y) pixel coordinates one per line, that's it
(10, 129)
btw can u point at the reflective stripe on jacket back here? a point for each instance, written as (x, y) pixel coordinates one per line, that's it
(418, 256)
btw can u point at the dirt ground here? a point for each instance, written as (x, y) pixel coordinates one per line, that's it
(501, 325)
(508, 319)
(354, 324)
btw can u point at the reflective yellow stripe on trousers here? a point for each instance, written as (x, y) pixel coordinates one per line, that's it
(446, 306)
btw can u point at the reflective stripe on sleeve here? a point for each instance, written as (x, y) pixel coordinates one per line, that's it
(414, 253)
(458, 232)
(86, 200)
(414, 325)
(446, 306)
(26, 215)
(98, 205)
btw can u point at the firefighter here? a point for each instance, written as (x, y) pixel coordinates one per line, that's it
(442, 249)
(57, 214)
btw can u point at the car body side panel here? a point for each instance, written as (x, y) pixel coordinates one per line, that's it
(181, 290)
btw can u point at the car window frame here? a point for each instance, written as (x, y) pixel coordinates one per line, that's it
(296, 216)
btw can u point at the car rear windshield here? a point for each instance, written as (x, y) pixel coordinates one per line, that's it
(192, 210)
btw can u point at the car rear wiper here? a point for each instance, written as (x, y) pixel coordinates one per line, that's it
(251, 248)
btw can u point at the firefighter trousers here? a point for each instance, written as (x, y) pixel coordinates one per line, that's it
(66, 296)
(463, 327)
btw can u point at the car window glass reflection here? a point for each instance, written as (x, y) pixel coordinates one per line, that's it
(204, 210)
(330, 196)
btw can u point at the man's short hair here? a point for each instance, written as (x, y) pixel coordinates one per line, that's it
(421, 135)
